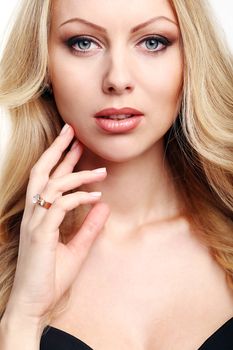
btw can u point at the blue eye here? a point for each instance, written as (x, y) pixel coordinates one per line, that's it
(153, 43)
(82, 44)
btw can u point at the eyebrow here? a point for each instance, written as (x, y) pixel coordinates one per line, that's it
(133, 30)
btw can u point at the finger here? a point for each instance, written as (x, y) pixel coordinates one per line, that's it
(55, 214)
(79, 246)
(95, 220)
(40, 172)
(70, 160)
(56, 187)
(52, 155)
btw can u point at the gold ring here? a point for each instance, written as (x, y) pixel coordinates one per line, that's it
(37, 199)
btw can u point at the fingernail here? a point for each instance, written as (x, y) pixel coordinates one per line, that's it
(75, 144)
(96, 194)
(99, 170)
(64, 129)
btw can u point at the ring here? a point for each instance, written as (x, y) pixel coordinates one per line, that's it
(38, 200)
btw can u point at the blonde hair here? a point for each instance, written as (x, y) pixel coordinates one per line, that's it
(199, 146)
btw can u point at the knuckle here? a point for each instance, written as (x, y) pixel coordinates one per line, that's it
(34, 171)
(92, 227)
(82, 195)
(57, 145)
(84, 173)
(59, 204)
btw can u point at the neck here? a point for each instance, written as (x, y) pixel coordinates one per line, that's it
(138, 191)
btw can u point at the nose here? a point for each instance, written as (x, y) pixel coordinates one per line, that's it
(117, 78)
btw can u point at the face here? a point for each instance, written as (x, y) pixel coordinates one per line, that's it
(126, 64)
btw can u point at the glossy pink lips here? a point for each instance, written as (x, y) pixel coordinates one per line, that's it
(128, 119)
(116, 126)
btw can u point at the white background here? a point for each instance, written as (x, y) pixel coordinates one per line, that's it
(223, 10)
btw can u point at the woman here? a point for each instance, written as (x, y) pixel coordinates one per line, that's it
(138, 253)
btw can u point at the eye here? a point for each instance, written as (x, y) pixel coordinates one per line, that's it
(81, 44)
(155, 43)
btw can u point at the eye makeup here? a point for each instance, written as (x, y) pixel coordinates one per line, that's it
(74, 44)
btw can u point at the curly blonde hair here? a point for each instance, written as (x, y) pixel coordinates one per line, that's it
(199, 145)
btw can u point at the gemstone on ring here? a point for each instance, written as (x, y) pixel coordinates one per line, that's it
(35, 198)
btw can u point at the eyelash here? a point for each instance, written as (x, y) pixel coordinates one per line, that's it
(74, 40)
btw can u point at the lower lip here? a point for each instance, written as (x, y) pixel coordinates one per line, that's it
(116, 126)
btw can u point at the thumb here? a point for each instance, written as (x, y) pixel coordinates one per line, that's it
(95, 220)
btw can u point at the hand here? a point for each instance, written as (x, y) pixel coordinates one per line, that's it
(46, 267)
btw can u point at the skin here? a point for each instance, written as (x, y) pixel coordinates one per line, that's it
(120, 70)
(145, 241)
(139, 267)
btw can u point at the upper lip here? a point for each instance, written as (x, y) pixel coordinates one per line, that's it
(112, 111)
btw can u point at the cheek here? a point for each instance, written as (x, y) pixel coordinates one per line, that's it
(163, 90)
(72, 85)
(168, 89)
(166, 78)
(164, 95)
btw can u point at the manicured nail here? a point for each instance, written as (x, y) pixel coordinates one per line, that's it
(64, 129)
(99, 170)
(75, 144)
(96, 194)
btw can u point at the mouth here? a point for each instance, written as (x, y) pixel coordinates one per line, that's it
(118, 113)
(119, 123)
(117, 116)
(121, 120)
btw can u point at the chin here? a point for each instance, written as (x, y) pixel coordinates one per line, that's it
(117, 154)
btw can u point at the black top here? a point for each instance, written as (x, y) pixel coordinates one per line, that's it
(56, 339)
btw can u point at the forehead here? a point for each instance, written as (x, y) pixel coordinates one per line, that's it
(111, 12)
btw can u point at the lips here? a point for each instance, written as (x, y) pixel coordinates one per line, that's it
(114, 113)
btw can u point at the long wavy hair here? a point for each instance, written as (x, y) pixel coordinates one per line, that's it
(199, 145)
